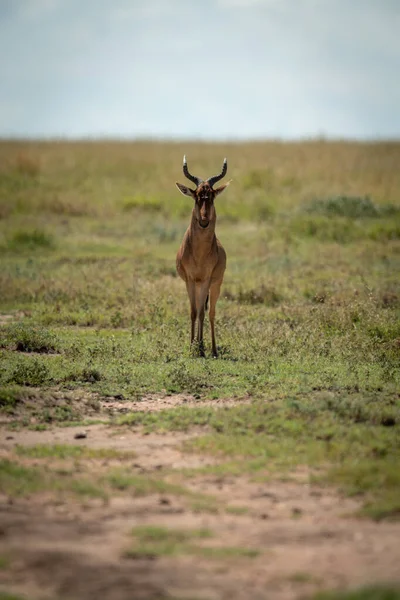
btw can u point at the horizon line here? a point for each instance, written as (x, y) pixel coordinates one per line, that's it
(201, 140)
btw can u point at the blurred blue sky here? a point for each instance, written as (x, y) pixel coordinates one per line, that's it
(206, 68)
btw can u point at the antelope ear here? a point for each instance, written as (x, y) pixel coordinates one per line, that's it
(185, 190)
(221, 188)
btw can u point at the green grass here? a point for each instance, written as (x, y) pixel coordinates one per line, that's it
(27, 338)
(9, 398)
(10, 596)
(20, 481)
(226, 552)
(377, 480)
(367, 593)
(307, 323)
(139, 485)
(122, 480)
(16, 480)
(303, 577)
(236, 510)
(151, 541)
(353, 207)
(65, 451)
(28, 241)
(4, 562)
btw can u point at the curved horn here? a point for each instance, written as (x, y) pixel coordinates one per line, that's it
(195, 180)
(212, 180)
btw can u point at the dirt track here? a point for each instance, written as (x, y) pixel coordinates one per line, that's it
(62, 548)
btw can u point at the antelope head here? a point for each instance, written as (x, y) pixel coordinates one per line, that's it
(204, 194)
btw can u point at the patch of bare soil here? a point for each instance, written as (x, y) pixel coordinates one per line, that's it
(158, 402)
(56, 404)
(80, 404)
(60, 548)
(152, 451)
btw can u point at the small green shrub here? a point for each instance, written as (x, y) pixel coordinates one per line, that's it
(91, 375)
(27, 338)
(184, 377)
(9, 397)
(32, 373)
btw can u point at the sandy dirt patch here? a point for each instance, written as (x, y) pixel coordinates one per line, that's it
(63, 548)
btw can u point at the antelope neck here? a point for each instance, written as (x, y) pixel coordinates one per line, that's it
(201, 237)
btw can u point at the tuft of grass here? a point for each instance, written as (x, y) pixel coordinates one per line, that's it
(226, 552)
(65, 451)
(9, 398)
(236, 510)
(28, 338)
(378, 481)
(203, 503)
(30, 373)
(29, 241)
(377, 592)
(86, 488)
(91, 375)
(153, 541)
(191, 378)
(16, 480)
(140, 485)
(302, 577)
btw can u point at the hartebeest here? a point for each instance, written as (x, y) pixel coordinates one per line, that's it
(201, 259)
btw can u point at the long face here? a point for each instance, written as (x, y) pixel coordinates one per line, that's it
(204, 205)
(204, 194)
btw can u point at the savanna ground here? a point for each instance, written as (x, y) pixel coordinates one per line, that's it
(131, 468)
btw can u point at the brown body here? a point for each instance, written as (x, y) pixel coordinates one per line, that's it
(201, 259)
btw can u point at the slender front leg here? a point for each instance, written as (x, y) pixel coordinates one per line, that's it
(191, 290)
(201, 295)
(214, 295)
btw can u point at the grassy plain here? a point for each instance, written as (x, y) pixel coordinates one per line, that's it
(307, 325)
(308, 322)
